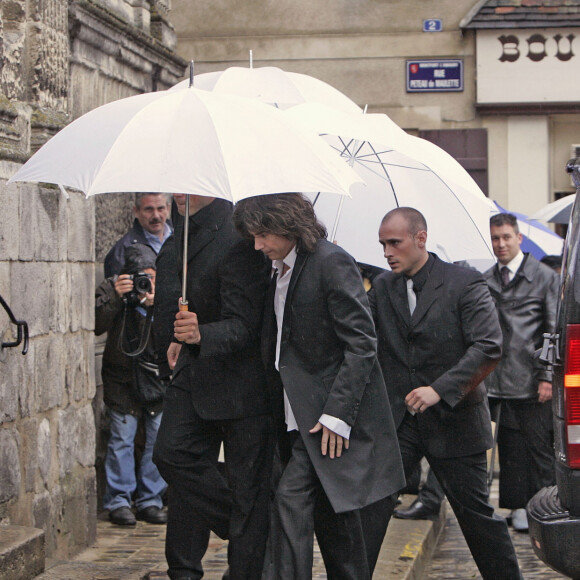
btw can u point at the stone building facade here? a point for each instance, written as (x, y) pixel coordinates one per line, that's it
(59, 59)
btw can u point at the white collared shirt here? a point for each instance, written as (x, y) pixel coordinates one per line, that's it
(514, 265)
(282, 284)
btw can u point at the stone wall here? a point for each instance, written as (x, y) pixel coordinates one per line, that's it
(59, 59)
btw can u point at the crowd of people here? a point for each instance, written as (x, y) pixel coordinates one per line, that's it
(323, 396)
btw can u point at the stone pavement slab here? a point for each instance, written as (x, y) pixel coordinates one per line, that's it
(21, 552)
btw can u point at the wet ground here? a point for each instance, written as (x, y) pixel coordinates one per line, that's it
(452, 558)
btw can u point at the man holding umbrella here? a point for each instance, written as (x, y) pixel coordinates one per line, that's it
(217, 395)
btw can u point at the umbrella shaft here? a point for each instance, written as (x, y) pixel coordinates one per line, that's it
(185, 244)
(336, 220)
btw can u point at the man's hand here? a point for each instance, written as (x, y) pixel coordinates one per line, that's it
(421, 398)
(173, 354)
(186, 327)
(123, 284)
(544, 391)
(331, 441)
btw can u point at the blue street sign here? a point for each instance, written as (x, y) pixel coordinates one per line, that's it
(432, 76)
(433, 25)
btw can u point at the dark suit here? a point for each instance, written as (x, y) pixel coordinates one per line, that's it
(451, 343)
(328, 365)
(217, 394)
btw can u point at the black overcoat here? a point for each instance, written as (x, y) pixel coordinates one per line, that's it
(226, 284)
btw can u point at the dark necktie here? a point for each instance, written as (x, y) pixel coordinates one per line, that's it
(505, 276)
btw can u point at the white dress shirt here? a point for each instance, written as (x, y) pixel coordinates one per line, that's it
(282, 284)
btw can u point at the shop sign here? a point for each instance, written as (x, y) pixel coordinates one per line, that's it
(528, 66)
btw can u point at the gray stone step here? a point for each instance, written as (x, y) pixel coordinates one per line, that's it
(21, 552)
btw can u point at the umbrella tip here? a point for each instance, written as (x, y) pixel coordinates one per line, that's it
(365, 109)
(251, 59)
(63, 191)
(190, 73)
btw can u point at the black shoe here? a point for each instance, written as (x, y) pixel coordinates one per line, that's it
(416, 511)
(122, 516)
(152, 515)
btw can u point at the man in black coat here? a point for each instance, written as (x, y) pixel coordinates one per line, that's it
(525, 293)
(337, 433)
(217, 395)
(434, 359)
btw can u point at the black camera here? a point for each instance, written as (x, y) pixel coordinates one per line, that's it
(141, 285)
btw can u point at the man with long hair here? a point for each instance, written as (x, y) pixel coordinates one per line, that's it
(336, 433)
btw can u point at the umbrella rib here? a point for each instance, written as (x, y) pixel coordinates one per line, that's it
(367, 159)
(465, 209)
(445, 185)
(386, 173)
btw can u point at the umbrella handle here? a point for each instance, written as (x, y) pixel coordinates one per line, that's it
(183, 306)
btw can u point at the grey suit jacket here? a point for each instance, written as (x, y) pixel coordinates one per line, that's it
(328, 364)
(452, 342)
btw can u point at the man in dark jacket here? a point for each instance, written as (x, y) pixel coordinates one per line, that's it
(525, 293)
(217, 395)
(150, 228)
(439, 337)
(132, 388)
(331, 405)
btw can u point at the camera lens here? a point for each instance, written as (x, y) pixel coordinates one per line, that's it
(142, 283)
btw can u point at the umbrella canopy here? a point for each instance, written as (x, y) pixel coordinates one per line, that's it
(188, 141)
(538, 240)
(272, 85)
(557, 212)
(399, 170)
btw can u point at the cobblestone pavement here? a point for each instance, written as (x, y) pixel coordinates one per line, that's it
(452, 558)
(137, 553)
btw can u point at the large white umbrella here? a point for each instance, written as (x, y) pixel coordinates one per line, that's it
(557, 212)
(399, 170)
(188, 141)
(272, 85)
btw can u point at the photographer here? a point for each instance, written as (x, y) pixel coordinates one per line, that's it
(132, 388)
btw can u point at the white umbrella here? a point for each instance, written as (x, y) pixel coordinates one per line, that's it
(557, 212)
(399, 170)
(188, 141)
(272, 85)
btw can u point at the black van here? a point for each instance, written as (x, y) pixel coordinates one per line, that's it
(554, 512)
